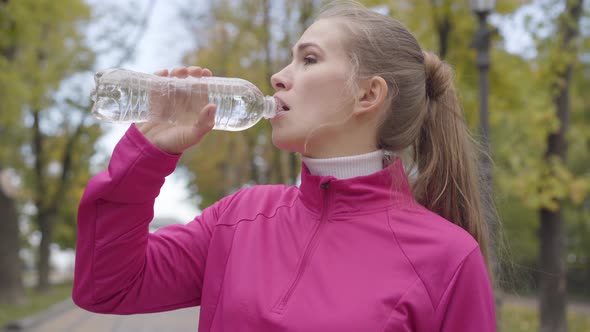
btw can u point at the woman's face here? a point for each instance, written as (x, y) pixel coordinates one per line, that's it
(313, 89)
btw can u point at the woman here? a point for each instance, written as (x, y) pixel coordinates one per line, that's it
(358, 246)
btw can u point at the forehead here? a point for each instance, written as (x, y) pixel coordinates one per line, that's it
(327, 33)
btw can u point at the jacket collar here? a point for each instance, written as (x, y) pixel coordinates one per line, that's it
(386, 188)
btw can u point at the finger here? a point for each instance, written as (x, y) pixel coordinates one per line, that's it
(191, 135)
(207, 72)
(180, 72)
(196, 71)
(144, 127)
(192, 70)
(206, 121)
(161, 72)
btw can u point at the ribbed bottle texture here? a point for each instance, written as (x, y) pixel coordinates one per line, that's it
(124, 96)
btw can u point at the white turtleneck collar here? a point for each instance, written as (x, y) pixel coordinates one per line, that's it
(346, 167)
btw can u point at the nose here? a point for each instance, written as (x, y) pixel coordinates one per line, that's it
(280, 80)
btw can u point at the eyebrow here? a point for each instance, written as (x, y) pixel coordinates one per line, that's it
(303, 46)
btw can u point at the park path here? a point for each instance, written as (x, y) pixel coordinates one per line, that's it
(75, 319)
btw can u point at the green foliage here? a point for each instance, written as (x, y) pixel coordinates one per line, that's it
(520, 318)
(556, 181)
(236, 40)
(521, 99)
(42, 43)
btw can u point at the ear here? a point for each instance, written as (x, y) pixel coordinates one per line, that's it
(371, 96)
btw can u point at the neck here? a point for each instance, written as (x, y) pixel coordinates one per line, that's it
(348, 166)
(354, 138)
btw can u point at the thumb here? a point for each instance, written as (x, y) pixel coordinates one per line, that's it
(205, 122)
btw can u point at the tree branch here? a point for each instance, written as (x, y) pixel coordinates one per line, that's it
(130, 50)
(38, 152)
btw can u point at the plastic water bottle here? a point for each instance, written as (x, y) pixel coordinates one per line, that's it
(125, 96)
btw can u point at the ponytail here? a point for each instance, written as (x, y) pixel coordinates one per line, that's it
(421, 115)
(447, 157)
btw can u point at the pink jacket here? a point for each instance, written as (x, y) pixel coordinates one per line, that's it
(330, 255)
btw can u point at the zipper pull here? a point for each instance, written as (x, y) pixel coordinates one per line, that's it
(325, 185)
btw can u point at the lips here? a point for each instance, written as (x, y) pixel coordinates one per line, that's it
(281, 105)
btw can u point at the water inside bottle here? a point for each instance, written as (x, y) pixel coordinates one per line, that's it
(236, 112)
(138, 99)
(118, 104)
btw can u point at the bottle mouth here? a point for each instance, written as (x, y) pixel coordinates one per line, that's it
(270, 107)
(97, 77)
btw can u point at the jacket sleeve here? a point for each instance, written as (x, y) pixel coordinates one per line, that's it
(468, 302)
(120, 267)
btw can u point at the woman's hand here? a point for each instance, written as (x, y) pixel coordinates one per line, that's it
(175, 138)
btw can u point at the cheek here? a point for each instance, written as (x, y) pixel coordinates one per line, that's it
(323, 94)
(322, 99)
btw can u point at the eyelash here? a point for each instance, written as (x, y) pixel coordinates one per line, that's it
(308, 60)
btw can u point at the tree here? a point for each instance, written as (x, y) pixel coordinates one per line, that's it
(553, 283)
(12, 95)
(11, 286)
(52, 147)
(534, 165)
(53, 48)
(62, 152)
(577, 212)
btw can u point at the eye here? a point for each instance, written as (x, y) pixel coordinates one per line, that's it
(308, 60)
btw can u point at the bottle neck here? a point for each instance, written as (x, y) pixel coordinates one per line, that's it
(270, 107)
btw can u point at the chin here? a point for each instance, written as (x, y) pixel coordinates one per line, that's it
(287, 142)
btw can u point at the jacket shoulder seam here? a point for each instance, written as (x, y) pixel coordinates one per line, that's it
(394, 308)
(435, 302)
(408, 259)
(269, 216)
(457, 270)
(231, 199)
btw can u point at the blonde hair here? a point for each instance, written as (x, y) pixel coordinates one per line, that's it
(423, 115)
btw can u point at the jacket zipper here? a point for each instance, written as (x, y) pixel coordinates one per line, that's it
(307, 255)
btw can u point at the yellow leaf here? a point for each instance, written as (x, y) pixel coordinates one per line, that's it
(578, 190)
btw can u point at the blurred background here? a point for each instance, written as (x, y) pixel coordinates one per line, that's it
(522, 70)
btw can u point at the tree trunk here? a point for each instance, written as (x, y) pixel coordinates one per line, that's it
(267, 40)
(275, 170)
(442, 23)
(253, 155)
(553, 276)
(552, 281)
(294, 167)
(45, 213)
(45, 222)
(284, 164)
(11, 285)
(444, 29)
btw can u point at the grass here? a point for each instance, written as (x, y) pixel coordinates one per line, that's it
(35, 303)
(518, 318)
